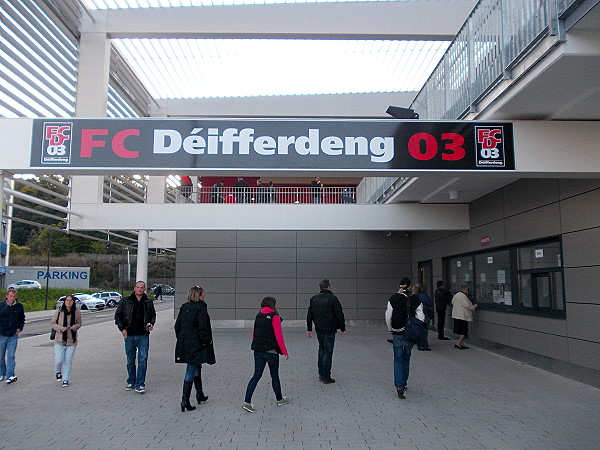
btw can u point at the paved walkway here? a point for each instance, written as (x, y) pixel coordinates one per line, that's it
(455, 399)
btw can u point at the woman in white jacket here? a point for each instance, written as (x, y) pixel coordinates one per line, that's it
(462, 313)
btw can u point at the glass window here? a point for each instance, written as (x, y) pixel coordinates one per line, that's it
(539, 256)
(460, 270)
(493, 278)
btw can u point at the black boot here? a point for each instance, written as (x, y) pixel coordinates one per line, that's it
(185, 398)
(200, 397)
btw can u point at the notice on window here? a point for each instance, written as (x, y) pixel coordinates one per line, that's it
(467, 277)
(539, 252)
(482, 277)
(458, 263)
(501, 276)
(490, 260)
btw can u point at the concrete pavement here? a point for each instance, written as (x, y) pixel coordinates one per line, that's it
(455, 399)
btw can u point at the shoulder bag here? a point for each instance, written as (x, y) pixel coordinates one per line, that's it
(415, 330)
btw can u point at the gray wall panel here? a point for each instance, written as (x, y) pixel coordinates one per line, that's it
(579, 284)
(487, 209)
(377, 285)
(221, 301)
(266, 255)
(371, 314)
(266, 286)
(209, 270)
(541, 324)
(328, 255)
(196, 255)
(569, 187)
(244, 300)
(265, 270)
(582, 321)
(269, 240)
(581, 212)
(383, 255)
(497, 317)
(370, 301)
(327, 270)
(535, 224)
(542, 344)
(327, 239)
(583, 353)
(539, 192)
(201, 239)
(490, 331)
(380, 239)
(210, 285)
(579, 250)
(495, 231)
(393, 271)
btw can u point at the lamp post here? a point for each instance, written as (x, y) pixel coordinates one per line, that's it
(48, 267)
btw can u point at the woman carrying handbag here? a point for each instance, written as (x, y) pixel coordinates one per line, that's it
(194, 344)
(65, 323)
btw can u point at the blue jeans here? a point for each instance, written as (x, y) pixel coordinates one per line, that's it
(402, 350)
(324, 360)
(141, 343)
(260, 360)
(425, 342)
(8, 348)
(192, 371)
(63, 359)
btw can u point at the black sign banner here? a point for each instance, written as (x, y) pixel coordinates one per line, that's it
(272, 144)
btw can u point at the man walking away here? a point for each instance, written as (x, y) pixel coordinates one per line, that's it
(12, 321)
(325, 311)
(442, 298)
(135, 318)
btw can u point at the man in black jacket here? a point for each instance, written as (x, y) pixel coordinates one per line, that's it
(442, 297)
(12, 320)
(135, 318)
(326, 312)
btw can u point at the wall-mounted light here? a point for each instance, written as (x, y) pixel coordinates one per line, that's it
(454, 195)
(398, 112)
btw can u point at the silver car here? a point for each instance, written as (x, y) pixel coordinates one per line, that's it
(84, 302)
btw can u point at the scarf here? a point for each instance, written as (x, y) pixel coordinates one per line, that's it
(72, 322)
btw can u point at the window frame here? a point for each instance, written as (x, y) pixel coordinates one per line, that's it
(515, 272)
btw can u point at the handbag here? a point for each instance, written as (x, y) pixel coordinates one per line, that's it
(53, 331)
(415, 330)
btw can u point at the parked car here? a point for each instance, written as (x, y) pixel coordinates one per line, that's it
(84, 302)
(24, 284)
(110, 298)
(166, 289)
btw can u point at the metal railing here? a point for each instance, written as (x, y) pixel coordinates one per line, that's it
(286, 195)
(495, 37)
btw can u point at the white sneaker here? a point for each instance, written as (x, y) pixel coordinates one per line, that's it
(2, 377)
(10, 380)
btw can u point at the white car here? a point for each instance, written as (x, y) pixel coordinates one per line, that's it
(110, 298)
(25, 284)
(84, 302)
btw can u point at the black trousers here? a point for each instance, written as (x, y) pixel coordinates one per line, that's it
(441, 321)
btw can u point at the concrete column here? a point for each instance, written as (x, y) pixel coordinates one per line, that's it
(2, 210)
(142, 256)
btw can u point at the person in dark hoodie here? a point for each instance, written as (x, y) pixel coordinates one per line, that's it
(395, 317)
(325, 311)
(194, 344)
(12, 321)
(135, 317)
(268, 344)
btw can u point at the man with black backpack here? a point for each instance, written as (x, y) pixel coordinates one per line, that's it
(400, 305)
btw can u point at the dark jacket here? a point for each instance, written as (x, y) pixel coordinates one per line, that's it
(194, 335)
(398, 303)
(124, 312)
(264, 338)
(442, 298)
(12, 318)
(325, 311)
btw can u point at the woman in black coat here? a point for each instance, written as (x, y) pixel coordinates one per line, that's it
(194, 344)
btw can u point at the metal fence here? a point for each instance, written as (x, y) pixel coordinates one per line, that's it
(496, 36)
(289, 195)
